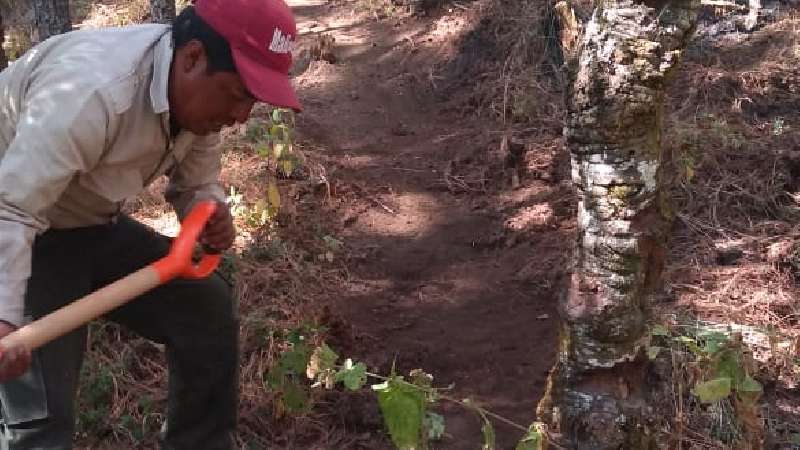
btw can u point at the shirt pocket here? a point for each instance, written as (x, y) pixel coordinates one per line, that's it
(114, 183)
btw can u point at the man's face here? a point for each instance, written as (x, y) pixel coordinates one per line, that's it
(203, 102)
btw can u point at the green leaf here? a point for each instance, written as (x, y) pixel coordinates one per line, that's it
(297, 335)
(296, 360)
(652, 351)
(713, 390)
(285, 134)
(690, 344)
(533, 440)
(434, 425)
(262, 150)
(274, 195)
(280, 132)
(353, 376)
(748, 384)
(274, 130)
(729, 365)
(287, 166)
(327, 356)
(713, 340)
(488, 435)
(403, 409)
(659, 330)
(276, 115)
(295, 398)
(277, 149)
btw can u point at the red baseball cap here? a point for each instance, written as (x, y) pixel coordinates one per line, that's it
(261, 34)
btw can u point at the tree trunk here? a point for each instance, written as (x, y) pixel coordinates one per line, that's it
(162, 11)
(3, 56)
(598, 396)
(751, 22)
(51, 17)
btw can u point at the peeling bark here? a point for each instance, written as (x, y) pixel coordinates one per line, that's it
(162, 11)
(752, 14)
(51, 17)
(614, 103)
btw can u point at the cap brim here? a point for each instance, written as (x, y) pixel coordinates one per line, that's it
(266, 84)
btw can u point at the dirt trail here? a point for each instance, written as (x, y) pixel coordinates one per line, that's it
(437, 281)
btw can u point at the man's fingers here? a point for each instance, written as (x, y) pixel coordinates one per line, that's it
(217, 235)
(218, 243)
(13, 363)
(218, 224)
(216, 230)
(15, 355)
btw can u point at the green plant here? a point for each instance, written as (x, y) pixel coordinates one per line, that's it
(722, 370)
(97, 391)
(260, 213)
(272, 139)
(404, 402)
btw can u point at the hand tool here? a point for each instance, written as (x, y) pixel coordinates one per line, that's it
(177, 263)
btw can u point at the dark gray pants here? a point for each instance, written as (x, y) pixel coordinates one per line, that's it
(195, 319)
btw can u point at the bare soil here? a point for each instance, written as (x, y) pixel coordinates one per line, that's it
(442, 275)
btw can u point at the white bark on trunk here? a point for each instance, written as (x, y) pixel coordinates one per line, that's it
(597, 397)
(752, 15)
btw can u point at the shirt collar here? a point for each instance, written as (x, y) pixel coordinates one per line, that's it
(161, 65)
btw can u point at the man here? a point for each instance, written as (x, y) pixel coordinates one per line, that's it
(88, 119)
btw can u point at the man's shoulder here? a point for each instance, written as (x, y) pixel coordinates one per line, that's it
(107, 50)
(111, 61)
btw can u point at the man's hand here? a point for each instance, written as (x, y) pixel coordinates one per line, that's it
(13, 361)
(219, 233)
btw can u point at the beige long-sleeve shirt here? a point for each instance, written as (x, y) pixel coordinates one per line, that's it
(84, 125)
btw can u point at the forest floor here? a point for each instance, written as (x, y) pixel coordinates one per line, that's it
(450, 269)
(429, 225)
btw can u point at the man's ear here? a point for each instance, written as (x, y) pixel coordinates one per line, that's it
(192, 57)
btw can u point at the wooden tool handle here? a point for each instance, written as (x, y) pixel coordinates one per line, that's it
(177, 263)
(79, 312)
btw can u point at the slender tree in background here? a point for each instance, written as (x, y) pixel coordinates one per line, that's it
(51, 17)
(162, 11)
(3, 57)
(598, 397)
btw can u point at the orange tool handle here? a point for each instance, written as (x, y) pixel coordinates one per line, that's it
(179, 260)
(177, 263)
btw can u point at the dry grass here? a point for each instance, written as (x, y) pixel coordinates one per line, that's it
(511, 62)
(729, 141)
